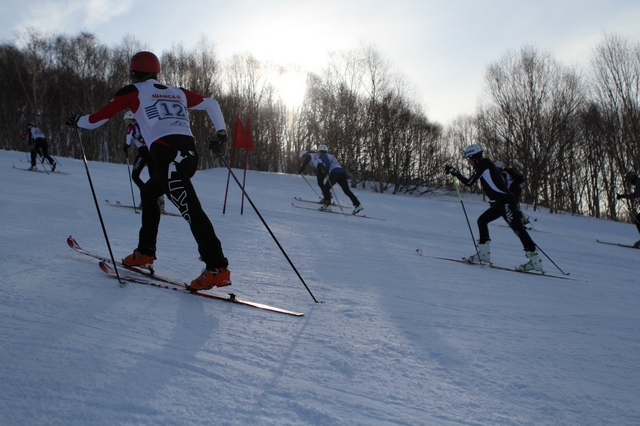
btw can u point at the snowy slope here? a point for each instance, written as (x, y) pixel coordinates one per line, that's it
(400, 338)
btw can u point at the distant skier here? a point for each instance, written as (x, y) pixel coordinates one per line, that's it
(631, 178)
(143, 158)
(162, 113)
(36, 140)
(333, 173)
(503, 203)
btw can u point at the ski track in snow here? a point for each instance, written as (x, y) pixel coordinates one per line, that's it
(400, 339)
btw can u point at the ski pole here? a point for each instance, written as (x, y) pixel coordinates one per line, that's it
(56, 160)
(455, 182)
(632, 214)
(95, 200)
(305, 179)
(551, 260)
(333, 191)
(42, 164)
(266, 226)
(131, 184)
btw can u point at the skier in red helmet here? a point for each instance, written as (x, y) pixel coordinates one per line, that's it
(162, 114)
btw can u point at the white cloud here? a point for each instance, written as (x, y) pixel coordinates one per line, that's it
(102, 11)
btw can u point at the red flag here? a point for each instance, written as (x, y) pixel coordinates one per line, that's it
(248, 137)
(238, 135)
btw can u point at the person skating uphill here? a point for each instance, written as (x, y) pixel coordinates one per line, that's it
(162, 114)
(333, 173)
(36, 140)
(503, 203)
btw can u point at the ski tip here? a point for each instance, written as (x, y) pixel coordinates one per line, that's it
(71, 242)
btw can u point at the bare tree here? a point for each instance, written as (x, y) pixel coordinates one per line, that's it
(616, 92)
(527, 116)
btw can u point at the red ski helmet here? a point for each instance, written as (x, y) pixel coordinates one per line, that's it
(145, 62)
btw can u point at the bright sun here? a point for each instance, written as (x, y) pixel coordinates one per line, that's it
(290, 85)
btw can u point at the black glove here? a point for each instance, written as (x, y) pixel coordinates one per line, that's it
(618, 196)
(450, 170)
(125, 147)
(217, 142)
(72, 120)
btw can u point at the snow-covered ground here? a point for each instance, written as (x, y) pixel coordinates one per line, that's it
(400, 338)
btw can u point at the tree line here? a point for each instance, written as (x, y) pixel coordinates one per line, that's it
(572, 132)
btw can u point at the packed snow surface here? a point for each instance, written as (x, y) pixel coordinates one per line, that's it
(399, 338)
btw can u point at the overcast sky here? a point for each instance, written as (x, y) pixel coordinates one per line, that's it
(442, 46)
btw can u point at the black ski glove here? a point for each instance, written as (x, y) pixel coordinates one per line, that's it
(125, 147)
(450, 170)
(72, 120)
(618, 196)
(217, 142)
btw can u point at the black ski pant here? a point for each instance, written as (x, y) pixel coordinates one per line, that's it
(637, 217)
(320, 178)
(508, 209)
(143, 158)
(176, 159)
(340, 179)
(40, 146)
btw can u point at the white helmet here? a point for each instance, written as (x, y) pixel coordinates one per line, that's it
(322, 148)
(129, 116)
(472, 150)
(499, 164)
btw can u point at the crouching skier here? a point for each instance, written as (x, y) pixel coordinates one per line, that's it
(503, 203)
(161, 112)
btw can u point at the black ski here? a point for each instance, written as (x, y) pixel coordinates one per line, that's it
(528, 228)
(493, 266)
(40, 171)
(313, 202)
(331, 211)
(618, 244)
(138, 209)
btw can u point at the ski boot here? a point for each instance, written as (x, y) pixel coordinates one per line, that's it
(139, 260)
(637, 244)
(483, 254)
(220, 277)
(357, 209)
(326, 205)
(53, 166)
(33, 167)
(534, 263)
